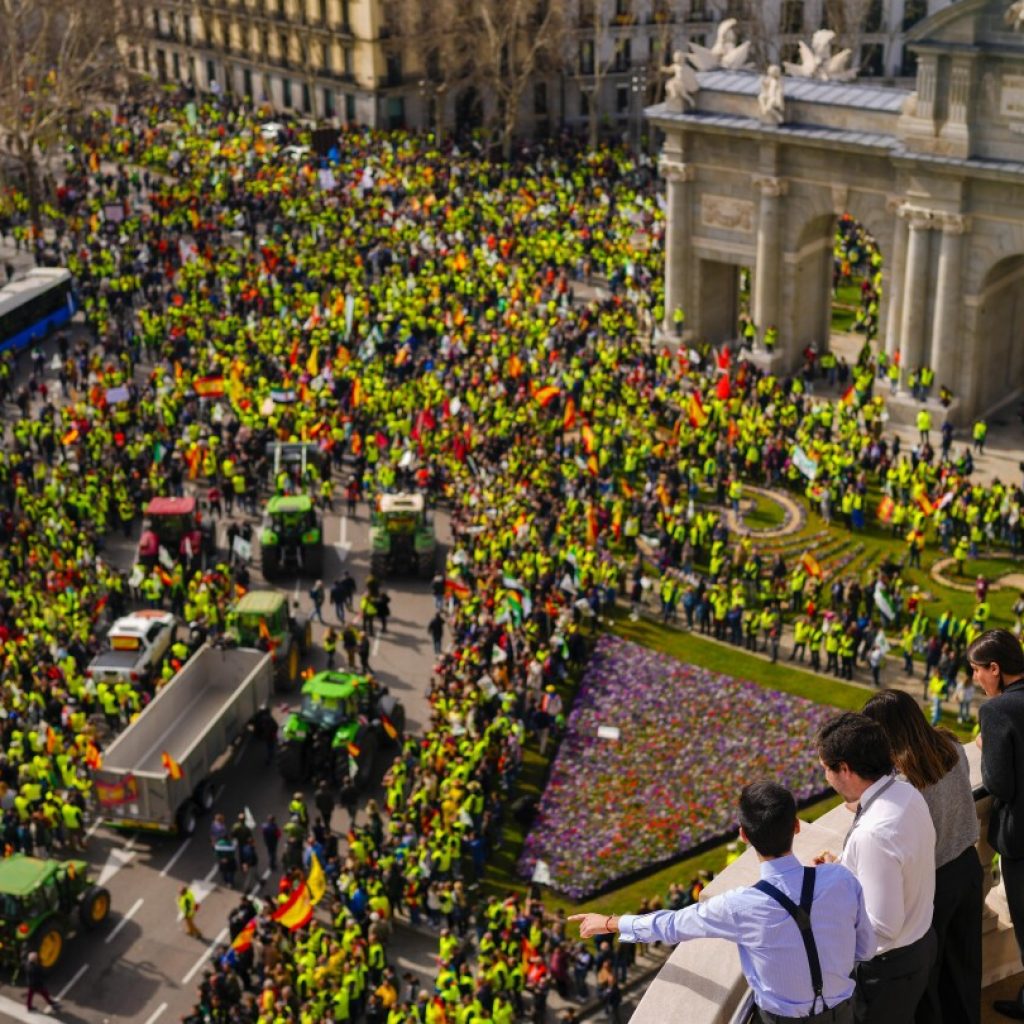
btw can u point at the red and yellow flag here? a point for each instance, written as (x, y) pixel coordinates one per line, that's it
(569, 415)
(810, 564)
(698, 417)
(171, 766)
(885, 509)
(297, 910)
(545, 396)
(389, 727)
(589, 440)
(243, 940)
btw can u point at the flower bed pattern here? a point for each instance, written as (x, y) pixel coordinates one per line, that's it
(690, 740)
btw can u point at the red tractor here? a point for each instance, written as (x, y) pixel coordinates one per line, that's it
(176, 525)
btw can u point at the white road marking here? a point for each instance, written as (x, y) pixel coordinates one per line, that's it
(174, 860)
(156, 1013)
(265, 875)
(221, 936)
(92, 828)
(376, 645)
(17, 1011)
(67, 988)
(115, 861)
(343, 541)
(125, 919)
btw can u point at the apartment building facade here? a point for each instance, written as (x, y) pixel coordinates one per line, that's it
(341, 61)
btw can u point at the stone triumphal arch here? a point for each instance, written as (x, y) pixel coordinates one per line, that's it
(935, 174)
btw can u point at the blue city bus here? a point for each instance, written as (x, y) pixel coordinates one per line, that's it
(33, 306)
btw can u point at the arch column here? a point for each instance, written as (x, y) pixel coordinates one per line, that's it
(678, 275)
(768, 259)
(895, 282)
(915, 287)
(945, 326)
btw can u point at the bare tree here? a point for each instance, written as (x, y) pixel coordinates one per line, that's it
(590, 57)
(848, 19)
(497, 47)
(56, 58)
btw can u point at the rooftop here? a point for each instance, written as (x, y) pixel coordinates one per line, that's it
(860, 95)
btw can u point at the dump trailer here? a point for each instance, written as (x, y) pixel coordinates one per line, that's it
(158, 774)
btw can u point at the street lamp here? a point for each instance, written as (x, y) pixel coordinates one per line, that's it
(433, 106)
(638, 86)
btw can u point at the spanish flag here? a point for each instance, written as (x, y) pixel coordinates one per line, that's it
(208, 387)
(592, 525)
(455, 588)
(171, 766)
(264, 630)
(589, 441)
(569, 416)
(313, 362)
(297, 910)
(357, 393)
(847, 398)
(353, 750)
(389, 727)
(698, 417)
(924, 503)
(92, 756)
(885, 509)
(810, 564)
(243, 940)
(293, 355)
(545, 396)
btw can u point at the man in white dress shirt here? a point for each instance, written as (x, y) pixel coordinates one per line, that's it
(891, 849)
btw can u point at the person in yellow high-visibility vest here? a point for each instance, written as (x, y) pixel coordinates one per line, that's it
(188, 907)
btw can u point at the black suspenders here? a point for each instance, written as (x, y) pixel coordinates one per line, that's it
(802, 916)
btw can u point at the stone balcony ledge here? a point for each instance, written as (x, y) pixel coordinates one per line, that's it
(701, 981)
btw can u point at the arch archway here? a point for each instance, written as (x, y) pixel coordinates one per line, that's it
(1001, 324)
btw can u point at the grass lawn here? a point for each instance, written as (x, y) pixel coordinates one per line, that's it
(765, 515)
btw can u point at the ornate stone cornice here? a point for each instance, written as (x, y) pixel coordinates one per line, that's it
(673, 170)
(771, 186)
(918, 217)
(955, 223)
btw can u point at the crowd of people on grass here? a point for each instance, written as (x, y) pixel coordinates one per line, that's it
(430, 319)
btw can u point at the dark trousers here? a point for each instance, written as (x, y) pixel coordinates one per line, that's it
(841, 1014)
(953, 995)
(1013, 881)
(890, 986)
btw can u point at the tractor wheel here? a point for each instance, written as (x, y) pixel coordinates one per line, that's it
(186, 819)
(289, 762)
(307, 638)
(203, 797)
(378, 565)
(48, 942)
(270, 560)
(425, 566)
(366, 741)
(94, 907)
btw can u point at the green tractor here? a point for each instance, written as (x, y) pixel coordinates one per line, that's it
(292, 537)
(336, 731)
(42, 903)
(295, 467)
(402, 536)
(260, 619)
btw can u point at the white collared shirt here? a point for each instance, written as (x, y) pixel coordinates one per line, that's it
(891, 850)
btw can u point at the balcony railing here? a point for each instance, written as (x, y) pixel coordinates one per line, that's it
(701, 982)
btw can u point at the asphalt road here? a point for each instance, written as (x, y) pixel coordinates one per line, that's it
(140, 966)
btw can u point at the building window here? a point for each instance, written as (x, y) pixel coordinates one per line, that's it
(307, 104)
(913, 12)
(282, 47)
(791, 20)
(264, 44)
(328, 103)
(176, 62)
(346, 25)
(587, 57)
(286, 92)
(347, 52)
(622, 99)
(873, 21)
(325, 57)
(623, 55)
(211, 74)
(396, 112)
(247, 82)
(394, 69)
(584, 104)
(324, 14)
(350, 107)
(540, 99)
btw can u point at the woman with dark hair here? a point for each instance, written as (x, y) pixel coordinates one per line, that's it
(997, 661)
(934, 763)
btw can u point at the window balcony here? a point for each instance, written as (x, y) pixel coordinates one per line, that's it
(701, 982)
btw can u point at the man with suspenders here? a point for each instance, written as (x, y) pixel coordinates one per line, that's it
(800, 930)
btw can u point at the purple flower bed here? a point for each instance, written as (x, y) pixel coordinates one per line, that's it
(690, 740)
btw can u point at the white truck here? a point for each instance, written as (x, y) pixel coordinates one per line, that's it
(135, 647)
(158, 775)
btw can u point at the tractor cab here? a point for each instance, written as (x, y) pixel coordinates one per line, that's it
(291, 537)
